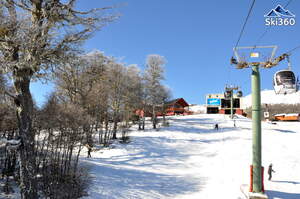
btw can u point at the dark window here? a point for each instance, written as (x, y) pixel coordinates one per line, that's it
(212, 110)
(228, 111)
(227, 104)
(177, 106)
(236, 103)
(285, 77)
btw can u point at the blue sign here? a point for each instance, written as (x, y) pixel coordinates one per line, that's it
(214, 101)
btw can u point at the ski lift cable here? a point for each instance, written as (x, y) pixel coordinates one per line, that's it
(245, 23)
(287, 4)
(293, 49)
(269, 28)
(242, 31)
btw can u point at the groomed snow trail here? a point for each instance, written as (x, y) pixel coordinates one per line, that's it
(190, 159)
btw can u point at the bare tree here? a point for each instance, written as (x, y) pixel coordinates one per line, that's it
(35, 35)
(59, 142)
(165, 95)
(153, 77)
(116, 78)
(133, 97)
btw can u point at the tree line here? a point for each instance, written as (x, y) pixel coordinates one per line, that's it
(94, 99)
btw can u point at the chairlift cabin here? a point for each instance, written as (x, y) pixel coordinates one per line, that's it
(227, 94)
(284, 82)
(239, 94)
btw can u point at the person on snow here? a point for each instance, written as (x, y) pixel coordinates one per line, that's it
(270, 171)
(89, 148)
(216, 126)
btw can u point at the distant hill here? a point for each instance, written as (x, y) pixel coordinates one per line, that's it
(197, 108)
(269, 97)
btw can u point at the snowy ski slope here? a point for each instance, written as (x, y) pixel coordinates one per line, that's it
(191, 160)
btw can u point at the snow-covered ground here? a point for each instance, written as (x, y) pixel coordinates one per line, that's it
(190, 160)
(269, 97)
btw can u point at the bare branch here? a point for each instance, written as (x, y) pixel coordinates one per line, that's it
(9, 94)
(23, 6)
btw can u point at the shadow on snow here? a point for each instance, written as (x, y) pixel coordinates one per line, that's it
(283, 181)
(123, 176)
(157, 151)
(284, 131)
(120, 183)
(278, 194)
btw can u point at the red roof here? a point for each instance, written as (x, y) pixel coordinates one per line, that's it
(180, 101)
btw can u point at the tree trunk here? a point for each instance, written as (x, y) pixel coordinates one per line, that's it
(115, 130)
(153, 117)
(143, 124)
(27, 155)
(115, 127)
(140, 123)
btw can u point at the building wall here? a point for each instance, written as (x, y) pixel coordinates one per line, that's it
(214, 104)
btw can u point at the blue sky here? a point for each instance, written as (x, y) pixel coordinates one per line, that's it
(196, 38)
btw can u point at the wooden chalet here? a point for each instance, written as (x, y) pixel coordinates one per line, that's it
(177, 107)
(174, 107)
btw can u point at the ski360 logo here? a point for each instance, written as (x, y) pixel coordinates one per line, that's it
(280, 17)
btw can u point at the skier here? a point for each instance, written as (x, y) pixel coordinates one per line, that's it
(216, 126)
(89, 148)
(270, 171)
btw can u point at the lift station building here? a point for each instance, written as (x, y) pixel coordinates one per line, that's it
(218, 104)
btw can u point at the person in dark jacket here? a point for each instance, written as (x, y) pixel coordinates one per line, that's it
(216, 126)
(270, 171)
(89, 148)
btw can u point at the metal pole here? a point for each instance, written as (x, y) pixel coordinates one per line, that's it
(231, 104)
(256, 130)
(256, 184)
